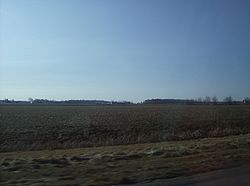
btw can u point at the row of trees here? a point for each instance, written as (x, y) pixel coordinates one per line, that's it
(227, 99)
(208, 99)
(199, 101)
(214, 99)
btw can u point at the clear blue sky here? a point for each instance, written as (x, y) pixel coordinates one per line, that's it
(124, 49)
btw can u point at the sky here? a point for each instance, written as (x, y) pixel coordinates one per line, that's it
(124, 49)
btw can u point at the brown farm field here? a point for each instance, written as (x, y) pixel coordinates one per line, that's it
(42, 144)
(37, 127)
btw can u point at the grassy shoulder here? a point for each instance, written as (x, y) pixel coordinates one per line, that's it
(123, 164)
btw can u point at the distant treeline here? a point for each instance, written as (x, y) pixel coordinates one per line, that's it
(206, 101)
(226, 101)
(66, 102)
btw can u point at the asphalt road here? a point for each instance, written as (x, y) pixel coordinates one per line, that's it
(239, 176)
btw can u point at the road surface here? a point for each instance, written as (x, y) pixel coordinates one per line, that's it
(239, 176)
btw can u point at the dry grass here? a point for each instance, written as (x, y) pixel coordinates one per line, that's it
(123, 164)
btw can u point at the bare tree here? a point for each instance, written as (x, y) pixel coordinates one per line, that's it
(207, 100)
(214, 100)
(228, 100)
(30, 100)
(199, 99)
(246, 100)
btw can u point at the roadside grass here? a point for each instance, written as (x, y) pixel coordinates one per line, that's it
(124, 164)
